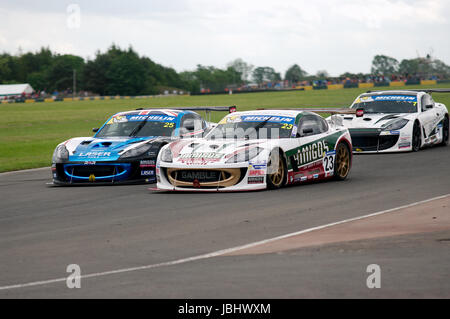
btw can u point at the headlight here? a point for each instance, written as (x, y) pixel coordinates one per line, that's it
(396, 125)
(137, 151)
(60, 154)
(166, 155)
(245, 156)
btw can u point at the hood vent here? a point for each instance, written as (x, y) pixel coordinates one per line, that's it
(106, 144)
(367, 119)
(85, 142)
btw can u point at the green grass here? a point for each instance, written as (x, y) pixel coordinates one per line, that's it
(30, 132)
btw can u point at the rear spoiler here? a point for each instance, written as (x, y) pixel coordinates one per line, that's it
(207, 109)
(415, 90)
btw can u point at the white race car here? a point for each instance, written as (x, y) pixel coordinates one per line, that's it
(397, 121)
(257, 150)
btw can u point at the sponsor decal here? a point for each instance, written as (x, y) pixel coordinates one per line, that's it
(268, 118)
(151, 118)
(358, 150)
(147, 173)
(202, 156)
(316, 176)
(394, 132)
(255, 180)
(257, 118)
(149, 163)
(256, 172)
(406, 98)
(300, 177)
(89, 163)
(294, 131)
(94, 154)
(257, 166)
(404, 145)
(198, 175)
(311, 152)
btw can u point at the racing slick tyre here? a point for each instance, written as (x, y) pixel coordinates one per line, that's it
(276, 171)
(342, 162)
(416, 138)
(445, 132)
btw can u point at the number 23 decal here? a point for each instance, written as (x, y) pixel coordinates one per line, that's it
(328, 163)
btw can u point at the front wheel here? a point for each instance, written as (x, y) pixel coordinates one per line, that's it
(416, 138)
(342, 162)
(445, 132)
(276, 171)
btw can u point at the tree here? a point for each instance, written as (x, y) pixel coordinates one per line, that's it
(384, 65)
(241, 67)
(295, 74)
(265, 74)
(322, 74)
(59, 75)
(410, 66)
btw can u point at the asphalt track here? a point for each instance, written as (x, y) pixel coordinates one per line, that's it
(43, 229)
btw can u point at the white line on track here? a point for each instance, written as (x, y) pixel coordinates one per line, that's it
(219, 252)
(26, 171)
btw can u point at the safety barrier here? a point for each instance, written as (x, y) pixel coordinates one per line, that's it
(90, 98)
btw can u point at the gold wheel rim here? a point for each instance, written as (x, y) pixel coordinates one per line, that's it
(343, 157)
(277, 177)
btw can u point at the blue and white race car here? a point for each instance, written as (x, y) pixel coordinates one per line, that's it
(125, 148)
(397, 121)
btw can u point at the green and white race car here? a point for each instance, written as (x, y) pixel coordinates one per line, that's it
(257, 150)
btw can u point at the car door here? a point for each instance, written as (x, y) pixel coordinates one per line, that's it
(311, 135)
(428, 116)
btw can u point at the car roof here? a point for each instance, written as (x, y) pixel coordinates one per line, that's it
(289, 113)
(392, 92)
(170, 112)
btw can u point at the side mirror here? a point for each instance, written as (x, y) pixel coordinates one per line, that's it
(189, 125)
(307, 131)
(95, 129)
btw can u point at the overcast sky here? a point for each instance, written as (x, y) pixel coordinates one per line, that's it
(336, 36)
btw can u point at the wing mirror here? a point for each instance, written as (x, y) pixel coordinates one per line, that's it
(189, 125)
(95, 129)
(307, 131)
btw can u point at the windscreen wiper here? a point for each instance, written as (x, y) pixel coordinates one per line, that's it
(140, 126)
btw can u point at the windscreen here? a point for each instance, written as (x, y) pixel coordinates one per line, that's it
(387, 103)
(138, 126)
(253, 127)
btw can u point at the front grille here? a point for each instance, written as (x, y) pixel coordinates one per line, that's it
(99, 172)
(205, 178)
(370, 140)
